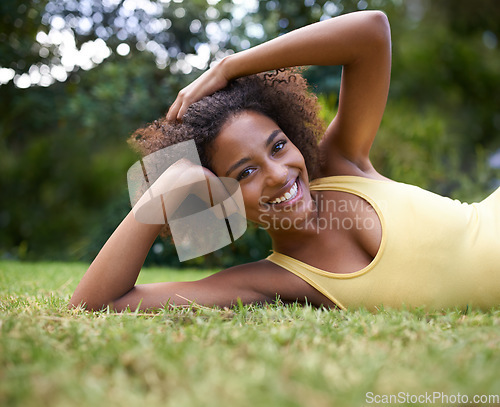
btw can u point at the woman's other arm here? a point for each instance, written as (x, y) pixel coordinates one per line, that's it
(111, 278)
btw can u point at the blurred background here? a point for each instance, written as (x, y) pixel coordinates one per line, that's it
(78, 77)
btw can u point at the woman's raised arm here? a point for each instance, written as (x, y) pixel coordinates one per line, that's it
(359, 41)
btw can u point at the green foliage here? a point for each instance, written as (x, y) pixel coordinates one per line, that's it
(274, 355)
(63, 147)
(71, 157)
(423, 149)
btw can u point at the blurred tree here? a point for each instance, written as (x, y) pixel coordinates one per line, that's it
(443, 113)
(20, 21)
(448, 56)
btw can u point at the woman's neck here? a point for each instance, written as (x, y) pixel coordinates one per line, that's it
(291, 234)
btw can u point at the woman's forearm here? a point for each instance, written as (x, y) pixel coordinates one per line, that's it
(114, 271)
(338, 41)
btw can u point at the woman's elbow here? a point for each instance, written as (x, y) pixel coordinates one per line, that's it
(81, 303)
(379, 27)
(73, 304)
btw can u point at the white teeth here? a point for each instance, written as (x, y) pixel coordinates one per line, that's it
(287, 196)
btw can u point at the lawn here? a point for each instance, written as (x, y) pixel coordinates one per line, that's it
(247, 356)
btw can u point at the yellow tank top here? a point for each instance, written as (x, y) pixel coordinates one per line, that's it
(435, 252)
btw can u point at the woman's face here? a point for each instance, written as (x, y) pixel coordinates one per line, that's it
(271, 171)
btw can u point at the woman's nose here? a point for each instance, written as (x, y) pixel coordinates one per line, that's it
(277, 174)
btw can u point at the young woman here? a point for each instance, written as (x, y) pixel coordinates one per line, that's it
(343, 235)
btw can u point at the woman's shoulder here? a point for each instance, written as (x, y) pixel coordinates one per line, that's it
(333, 163)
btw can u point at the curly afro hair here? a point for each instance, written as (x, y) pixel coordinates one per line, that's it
(283, 96)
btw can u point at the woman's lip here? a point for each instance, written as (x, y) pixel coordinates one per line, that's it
(297, 197)
(284, 190)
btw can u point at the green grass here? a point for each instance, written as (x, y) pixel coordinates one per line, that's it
(247, 356)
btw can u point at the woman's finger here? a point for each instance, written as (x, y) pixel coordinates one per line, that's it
(172, 111)
(182, 111)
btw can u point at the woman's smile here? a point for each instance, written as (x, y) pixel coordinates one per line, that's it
(287, 196)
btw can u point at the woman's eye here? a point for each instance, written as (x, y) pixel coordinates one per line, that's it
(243, 174)
(278, 146)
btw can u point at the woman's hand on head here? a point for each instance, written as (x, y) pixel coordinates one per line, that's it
(208, 83)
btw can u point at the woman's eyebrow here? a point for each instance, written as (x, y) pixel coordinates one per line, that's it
(236, 165)
(269, 140)
(272, 136)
